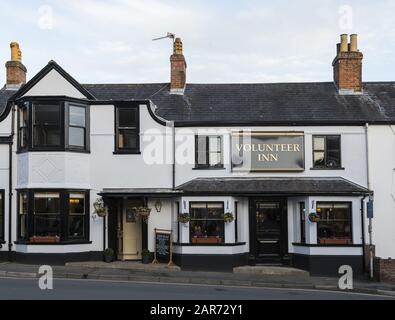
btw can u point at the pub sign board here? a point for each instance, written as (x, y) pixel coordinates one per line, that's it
(163, 248)
(267, 151)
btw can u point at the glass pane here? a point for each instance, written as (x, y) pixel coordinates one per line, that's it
(76, 226)
(46, 136)
(77, 204)
(77, 116)
(319, 159)
(46, 225)
(215, 159)
(207, 229)
(23, 226)
(201, 150)
(215, 211)
(1, 227)
(127, 139)
(127, 117)
(76, 137)
(333, 143)
(23, 117)
(47, 115)
(215, 144)
(333, 158)
(198, 212)
(23, 137)
(319, 143)
(22, 203)
(46, 203)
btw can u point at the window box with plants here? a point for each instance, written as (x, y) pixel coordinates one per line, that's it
(208, 240)
(44, 239)
(334, 241)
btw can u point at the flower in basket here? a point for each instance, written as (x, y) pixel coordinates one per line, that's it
(142, 211)
(100, 208)
(314, 217)
(184, 217)
(228, 217)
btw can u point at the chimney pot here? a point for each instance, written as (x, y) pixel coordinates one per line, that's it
(343, 43)
(16, 71)
(354, 43)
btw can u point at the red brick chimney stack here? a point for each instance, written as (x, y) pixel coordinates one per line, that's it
(16, 71)
(178, 69)
(347, 66)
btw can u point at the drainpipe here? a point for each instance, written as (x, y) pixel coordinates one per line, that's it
(363, 232)
(174, 155)
(370, 229)
(10, 194)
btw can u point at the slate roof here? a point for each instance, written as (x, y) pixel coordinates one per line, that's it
(264, 103)
(260, 104)
(281, 186)
(4, 96)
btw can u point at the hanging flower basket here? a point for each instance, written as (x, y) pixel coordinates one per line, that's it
(228, 217)
(184, 218)
(313, 217)
(100, 208)
(143, 212)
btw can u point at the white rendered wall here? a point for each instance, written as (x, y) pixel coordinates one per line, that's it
(382, 181)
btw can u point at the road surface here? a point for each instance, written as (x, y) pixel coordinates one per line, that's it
(65, 289)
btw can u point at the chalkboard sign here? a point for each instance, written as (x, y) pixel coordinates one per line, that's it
(163, 246)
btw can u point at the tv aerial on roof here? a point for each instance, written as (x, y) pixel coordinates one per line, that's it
(169, 35)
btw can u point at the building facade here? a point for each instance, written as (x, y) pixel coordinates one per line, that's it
(239, 173)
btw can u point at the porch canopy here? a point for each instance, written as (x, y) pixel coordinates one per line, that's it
(248, 186)
(272, 186)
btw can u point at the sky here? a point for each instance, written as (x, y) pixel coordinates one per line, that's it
(233, 41)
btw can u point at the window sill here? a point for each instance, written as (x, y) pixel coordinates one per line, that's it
(208, 168)
(324, 168)
(298, 244)
(126, 152)
(53, 243)
(54, 150)
(209, 244)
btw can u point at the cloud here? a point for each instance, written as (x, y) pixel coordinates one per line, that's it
(224, 41)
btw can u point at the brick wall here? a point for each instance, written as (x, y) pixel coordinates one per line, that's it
(16, 73)
(177, 72)
(384, 270)
(347, 71)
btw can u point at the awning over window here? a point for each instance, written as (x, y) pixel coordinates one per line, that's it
(272, 186)
(248, 186)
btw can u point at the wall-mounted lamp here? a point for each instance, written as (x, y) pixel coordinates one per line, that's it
(158, 205)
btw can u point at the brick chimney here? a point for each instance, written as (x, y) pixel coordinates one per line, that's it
(178, 69)
(16, 71)
(347, 66)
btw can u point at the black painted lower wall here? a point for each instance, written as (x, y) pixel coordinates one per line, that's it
(319, 265)
(210, 262)
(51, 258)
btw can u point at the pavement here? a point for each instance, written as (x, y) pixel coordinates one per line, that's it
(264, 277)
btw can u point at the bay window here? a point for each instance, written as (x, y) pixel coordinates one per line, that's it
(334, 226)
(207, 222)
(53, 126)
(53, 216)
